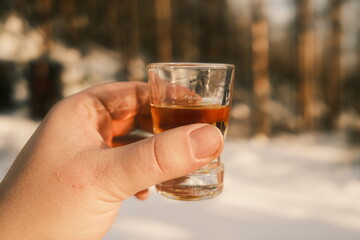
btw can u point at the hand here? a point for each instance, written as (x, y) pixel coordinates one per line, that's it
(68, 182)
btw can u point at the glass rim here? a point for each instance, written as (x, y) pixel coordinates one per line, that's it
(190, 65)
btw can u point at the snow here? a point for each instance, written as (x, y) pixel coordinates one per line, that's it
(290, 187)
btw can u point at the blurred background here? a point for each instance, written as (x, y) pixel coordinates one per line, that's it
(293, 151)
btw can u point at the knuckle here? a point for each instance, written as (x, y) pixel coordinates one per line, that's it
(158, 155)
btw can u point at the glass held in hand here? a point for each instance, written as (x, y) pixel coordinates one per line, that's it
(187, 93)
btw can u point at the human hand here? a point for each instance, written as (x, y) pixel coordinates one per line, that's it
(68, 182)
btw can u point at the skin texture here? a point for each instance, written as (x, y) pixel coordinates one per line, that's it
(69, 180)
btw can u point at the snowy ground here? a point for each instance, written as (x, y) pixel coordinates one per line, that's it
(290, 187)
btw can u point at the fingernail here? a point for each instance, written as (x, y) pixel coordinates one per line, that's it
(206, 141)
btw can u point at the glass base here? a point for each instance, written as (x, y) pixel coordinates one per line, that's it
(202, 184)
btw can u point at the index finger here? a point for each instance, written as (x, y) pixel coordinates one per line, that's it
(125, 102)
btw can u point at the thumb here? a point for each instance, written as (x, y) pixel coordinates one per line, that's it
(165, 156)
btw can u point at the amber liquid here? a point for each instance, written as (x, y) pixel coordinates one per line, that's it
(165, 118)
(168, 117)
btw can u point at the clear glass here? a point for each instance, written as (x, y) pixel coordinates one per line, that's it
(186, 93)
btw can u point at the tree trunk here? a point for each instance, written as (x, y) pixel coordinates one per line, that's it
(333, 71)
(260, 56)
(45, 11)
(305, 63)
(163, 29)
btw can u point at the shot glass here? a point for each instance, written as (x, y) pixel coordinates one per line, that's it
(187, 93)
